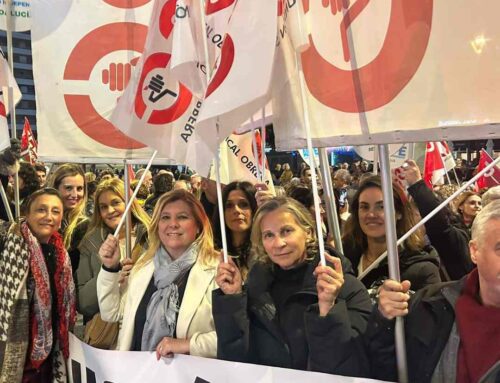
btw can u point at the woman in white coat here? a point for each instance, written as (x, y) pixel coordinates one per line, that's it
(166, 303)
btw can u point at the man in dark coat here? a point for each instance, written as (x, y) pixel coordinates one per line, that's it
(452, 329)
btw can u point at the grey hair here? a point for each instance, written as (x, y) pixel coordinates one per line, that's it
(491, 195)
(344, 175)
(491, 211)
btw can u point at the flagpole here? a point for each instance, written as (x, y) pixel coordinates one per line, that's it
(129, 205)
(263, 143)
(424, 220)
(331, 204)
(12, 109)
(5, 201)
(375, 159)
(208, 72)
(128, 231)
(392, 250)
(255, 151)
(390, 223)
(307, 124)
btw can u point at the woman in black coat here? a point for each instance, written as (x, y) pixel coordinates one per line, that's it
(292, 312)
(364, 239)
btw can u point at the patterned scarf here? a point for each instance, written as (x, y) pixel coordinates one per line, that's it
(41, 316)
(161, 314)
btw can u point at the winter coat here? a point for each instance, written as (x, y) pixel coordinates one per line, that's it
(450, 239)
(429, 332)
(248, 324)
(90, 265)
(194, 321)
(421, 268)
(15, 309)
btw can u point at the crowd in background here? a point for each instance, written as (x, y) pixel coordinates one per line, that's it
(272, 303)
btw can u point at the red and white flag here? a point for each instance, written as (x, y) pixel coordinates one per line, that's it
(446, 155)
(7, 81)
(238, 161)
(434, 169)
(156, 109)
(189, 61)
(241, 82)
(393, 72)
(490, 178)
(29, 146)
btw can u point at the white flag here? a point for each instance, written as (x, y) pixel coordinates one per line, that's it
(7, 81)
(241, 82)
(239, 163)
(156, 108)
(394, 71)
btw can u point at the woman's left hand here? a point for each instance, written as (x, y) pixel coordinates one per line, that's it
(329, 282)
(170, 346)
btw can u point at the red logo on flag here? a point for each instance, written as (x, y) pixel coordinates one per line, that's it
(376, 84)
(226, 63)
(126, 4)
(492, 177)
(213, 6)
(29, 146)
(83, 60)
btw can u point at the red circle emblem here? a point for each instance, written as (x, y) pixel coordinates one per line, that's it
(81, 62)
(126, 4)
(378, 83)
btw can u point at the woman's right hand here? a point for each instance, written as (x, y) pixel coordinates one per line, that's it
(110, 253)
(127, 266)
(228, 277)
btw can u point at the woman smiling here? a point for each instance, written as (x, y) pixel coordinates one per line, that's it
(109, 208)
(167, 304)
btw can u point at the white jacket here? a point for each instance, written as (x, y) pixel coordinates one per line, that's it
(194, 321)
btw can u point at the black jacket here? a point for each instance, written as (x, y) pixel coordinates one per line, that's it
(450, 239)
(421, 268)
(427, 329)
(248, 324)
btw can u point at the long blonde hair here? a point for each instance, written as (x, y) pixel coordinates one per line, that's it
(302, 216)
(75, 215)
(117, 187)
(205, 238)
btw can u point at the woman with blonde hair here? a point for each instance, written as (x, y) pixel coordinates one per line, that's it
(166, 305)
(291, 312)
(110, 206)
(69, 180)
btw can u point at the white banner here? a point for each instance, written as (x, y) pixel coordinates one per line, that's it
(239, 163)
(84, 53)
(395, 71)
(20, 13)
(87, 364)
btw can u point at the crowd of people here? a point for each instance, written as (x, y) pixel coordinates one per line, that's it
(62, 265)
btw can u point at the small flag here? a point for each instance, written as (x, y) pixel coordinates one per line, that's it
(490, 178)
(29, 146)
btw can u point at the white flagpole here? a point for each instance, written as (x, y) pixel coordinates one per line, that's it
(217, 155)
(129, 205)
(255, 151)
(263, 144)
(424, 220)
(128, 231)
(5, 201)
(307, 124)
(11, 106)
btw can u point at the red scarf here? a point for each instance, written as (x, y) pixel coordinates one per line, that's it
(42, 339)
(479, 329)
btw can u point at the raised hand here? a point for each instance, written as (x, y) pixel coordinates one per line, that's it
(393, 299)
(411, 172)
(263, 194)
(228, 277)
(127, 265)
(329, 281)
(110, 253)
